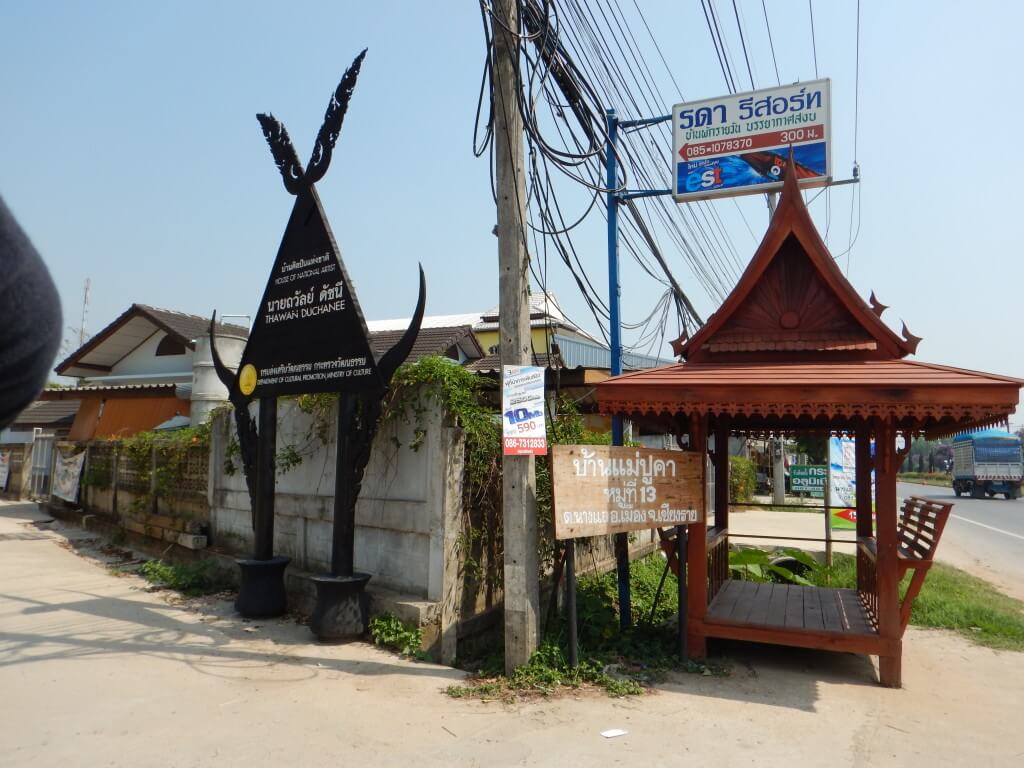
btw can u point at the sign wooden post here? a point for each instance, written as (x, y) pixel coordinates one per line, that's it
(600, 489)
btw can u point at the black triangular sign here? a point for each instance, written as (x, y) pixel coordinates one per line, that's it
(309, 334)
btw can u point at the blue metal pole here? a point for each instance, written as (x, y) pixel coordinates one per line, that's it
(613, 261)
(615, 335)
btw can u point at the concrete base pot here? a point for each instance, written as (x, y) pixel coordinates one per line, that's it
(342, 607)
(261, 592)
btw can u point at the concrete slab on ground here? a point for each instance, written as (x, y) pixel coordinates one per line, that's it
(97, 671)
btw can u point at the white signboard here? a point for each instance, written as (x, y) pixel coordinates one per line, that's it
(739, 144)
(5, 470)
(66, 474)
(522, 411)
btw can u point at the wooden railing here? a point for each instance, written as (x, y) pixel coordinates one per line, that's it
(867, 582)
(718, 560)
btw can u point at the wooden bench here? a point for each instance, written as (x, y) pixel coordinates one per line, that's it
(918, 531)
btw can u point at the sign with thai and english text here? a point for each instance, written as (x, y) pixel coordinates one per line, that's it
(808, 478)
(309, 334)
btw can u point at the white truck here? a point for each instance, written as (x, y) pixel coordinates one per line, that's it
(986, 463)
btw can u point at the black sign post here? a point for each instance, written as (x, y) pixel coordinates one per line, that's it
(310, 336)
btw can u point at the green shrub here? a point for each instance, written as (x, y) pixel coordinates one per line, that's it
(202, 577)
(388, 631)
(742, 479)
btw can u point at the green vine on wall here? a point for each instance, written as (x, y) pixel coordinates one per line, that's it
(171, 451)
(464, 396)
(320, 406)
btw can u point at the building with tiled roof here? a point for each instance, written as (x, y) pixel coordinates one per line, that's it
(146, 366)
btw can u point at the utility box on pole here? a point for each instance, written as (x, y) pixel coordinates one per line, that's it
(519, 493)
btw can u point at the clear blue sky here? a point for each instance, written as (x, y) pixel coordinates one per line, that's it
(130, 152)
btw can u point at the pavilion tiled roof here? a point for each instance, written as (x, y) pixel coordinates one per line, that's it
(793, 346)
(907, 391)
(793, 298)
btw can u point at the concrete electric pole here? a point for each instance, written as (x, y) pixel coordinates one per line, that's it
(519, 497)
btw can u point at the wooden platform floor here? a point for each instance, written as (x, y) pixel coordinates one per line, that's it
(791, 607)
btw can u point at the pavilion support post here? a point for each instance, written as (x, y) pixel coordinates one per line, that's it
(722, 473)
(864, 497)
(697, 558)
(863, 478)
(887, 566)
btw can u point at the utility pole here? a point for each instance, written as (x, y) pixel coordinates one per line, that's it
(615, 342)
(519, 492)
(85, 311)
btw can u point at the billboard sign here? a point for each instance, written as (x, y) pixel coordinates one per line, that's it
(603, 489)
(739, 144)
(524, 431)
(808, 478)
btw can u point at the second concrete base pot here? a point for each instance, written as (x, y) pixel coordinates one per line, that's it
(261, 592)
(342, 607)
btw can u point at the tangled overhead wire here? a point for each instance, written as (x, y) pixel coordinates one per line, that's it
(578, 59)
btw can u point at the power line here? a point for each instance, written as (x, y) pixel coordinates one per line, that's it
(771, 43)
(814, 44)
(743, 42)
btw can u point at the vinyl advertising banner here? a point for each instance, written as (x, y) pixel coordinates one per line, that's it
(739, 144)
(843, 481)
(66, 474)
(5, 470)
(524, 431)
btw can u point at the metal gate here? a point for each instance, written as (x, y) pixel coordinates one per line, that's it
(43, 447)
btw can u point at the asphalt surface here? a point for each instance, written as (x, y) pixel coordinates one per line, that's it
(991, 530)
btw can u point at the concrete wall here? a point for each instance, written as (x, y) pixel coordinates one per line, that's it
(407, 519)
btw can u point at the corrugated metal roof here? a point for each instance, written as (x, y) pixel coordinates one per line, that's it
(47, 412)
(74, 393)
(492, 363)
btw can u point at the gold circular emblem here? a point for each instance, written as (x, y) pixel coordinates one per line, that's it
(247, 379)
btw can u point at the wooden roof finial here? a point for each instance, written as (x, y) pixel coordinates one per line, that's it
(876, 306)
(911, 339)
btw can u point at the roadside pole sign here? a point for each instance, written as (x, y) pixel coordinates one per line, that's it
(809, 479)
(603, 489)
(739, 144)
(524, 430)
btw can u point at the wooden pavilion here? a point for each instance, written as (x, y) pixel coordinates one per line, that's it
(794, 349)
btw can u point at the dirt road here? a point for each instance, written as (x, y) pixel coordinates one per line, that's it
(95, 671)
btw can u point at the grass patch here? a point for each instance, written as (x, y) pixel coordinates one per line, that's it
(619, 663)
(955, 600)
(202, 577)
(388, 631)
(926, 478)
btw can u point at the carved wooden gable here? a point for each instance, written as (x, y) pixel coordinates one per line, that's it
(791, 308)
(793, 303)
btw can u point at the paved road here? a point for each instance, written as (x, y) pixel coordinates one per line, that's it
(990, 531)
